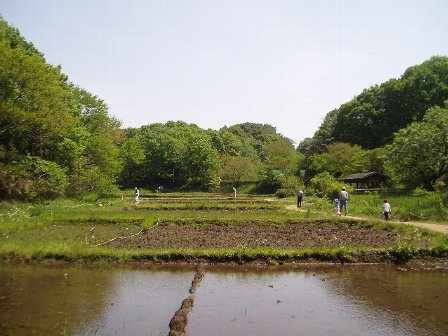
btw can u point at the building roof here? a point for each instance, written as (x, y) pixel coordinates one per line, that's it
(359, 177)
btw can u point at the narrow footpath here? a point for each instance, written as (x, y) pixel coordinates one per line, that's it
(443, 228)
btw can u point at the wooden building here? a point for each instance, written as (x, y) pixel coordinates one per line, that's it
(371, 181)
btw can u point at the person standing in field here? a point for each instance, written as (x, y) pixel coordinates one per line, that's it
(386, 209)
(299, 198)
(137, 194)
(234, 192)
(343, 201)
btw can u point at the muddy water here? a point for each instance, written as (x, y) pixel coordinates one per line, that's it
(345, 300)
(360, 300)
(89, 301)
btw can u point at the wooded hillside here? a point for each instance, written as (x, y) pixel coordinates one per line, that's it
(58, 139)
(371, 118)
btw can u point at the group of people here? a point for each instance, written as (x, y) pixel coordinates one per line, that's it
(339, 203)
(342, 203)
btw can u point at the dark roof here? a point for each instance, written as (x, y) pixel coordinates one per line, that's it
(363, 176)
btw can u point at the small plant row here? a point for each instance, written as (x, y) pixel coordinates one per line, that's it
(396, 254)
(207, 206)
(228, 200)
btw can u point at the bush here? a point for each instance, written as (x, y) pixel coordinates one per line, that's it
(92, 180)
(325, 185)
(90, 197)
(32, 178)
(283, 193)
(272, 180)
(37, 210)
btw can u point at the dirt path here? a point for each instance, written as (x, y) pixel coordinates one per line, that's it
(443, 228)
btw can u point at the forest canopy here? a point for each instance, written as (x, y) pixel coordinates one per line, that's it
(58, 139)
(371, 119)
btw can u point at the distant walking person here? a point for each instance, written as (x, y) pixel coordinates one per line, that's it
(343, 201)
(234, 192)
(299, 198)
(386, 209)
(137, 194)
(336, 206)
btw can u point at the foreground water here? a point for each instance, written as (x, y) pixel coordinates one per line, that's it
(334, 300)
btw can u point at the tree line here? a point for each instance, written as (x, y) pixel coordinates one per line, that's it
(399, 128)
(57, 138)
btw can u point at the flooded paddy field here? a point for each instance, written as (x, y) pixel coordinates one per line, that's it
(243, 300)
(75, 300)
(360, 300)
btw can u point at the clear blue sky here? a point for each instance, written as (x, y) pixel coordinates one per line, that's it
(214, 63)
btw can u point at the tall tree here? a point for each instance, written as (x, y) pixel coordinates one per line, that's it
(177, 154)
(418, 155)
(371, 118)
(35, 113)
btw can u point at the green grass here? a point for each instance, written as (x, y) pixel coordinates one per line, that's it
(405, 208)
(70, 230)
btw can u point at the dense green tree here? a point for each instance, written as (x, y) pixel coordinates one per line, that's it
(229, 143)
(15, 39)
(281, 155)
(92, 146)
(202, 162)
(371, 118)
(325, 185)
(176, 154)
(339, 159)
(259, 135)
(418, 155)
(29, 178)
(35, 115)
(53, 122)
(238, 169)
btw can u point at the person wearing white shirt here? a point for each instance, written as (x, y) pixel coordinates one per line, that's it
(386, 209)
(343, 201)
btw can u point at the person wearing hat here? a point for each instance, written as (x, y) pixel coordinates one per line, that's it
(386, 209)
(343, 201)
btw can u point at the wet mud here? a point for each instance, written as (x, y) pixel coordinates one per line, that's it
(294, 236)
(179, 321)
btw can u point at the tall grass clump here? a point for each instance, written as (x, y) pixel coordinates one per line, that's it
(420, 205)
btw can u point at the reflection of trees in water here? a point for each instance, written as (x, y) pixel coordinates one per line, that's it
(77, 300)
(416, 298)
(50, 300)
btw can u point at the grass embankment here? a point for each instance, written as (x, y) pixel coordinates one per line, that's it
(213, 230)
(426, 207)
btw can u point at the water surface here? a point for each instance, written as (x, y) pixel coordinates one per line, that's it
(322, 300)
(74, 300)
(360, 300)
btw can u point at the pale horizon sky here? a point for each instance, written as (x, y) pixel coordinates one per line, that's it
(220, 63)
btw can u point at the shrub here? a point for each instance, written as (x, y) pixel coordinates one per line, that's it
(90, 197)
(325, 185)
(282, 193)
(37, 210)
(32, 178)
(272, 180)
